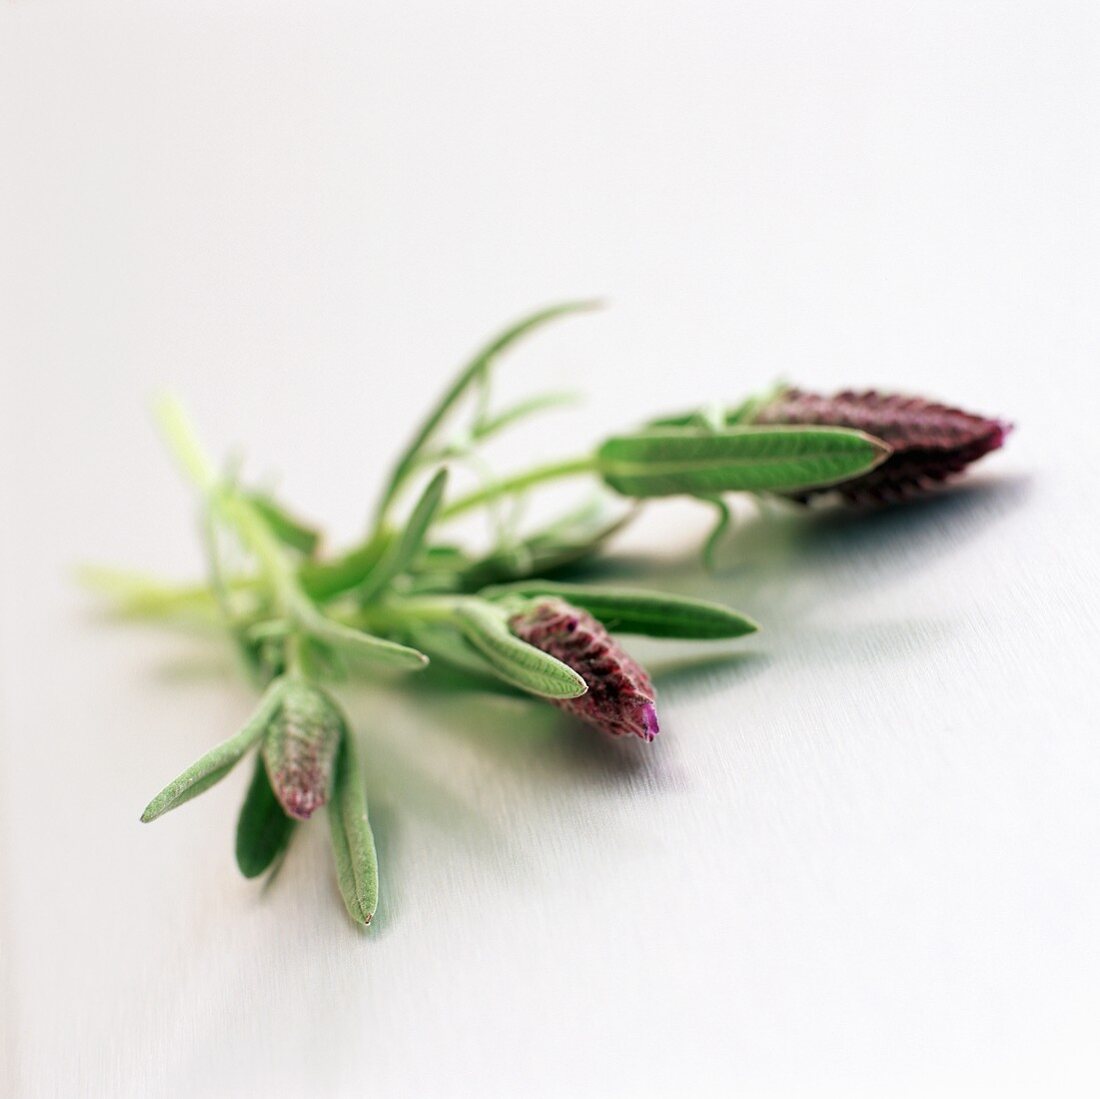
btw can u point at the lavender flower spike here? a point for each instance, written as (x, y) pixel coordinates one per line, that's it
(620, 698)
(299, 749)
(929, 442)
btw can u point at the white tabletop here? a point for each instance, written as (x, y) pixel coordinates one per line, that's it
(862, 856)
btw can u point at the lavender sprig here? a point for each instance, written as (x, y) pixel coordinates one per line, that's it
(304, 621)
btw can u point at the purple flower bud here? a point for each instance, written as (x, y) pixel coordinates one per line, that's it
(299, 748)
(620, 698)
(929, 441)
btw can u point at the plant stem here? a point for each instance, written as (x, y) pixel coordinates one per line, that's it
(509, 486)
(477, 369)
(421, 608)
(184, 443)
(236, 510)
(257, 536)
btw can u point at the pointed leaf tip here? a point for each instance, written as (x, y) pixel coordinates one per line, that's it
(211, 768)
(352, 840)
(512, 659)
(682, 461)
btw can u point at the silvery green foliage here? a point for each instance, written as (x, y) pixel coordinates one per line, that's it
(299, 748)
(737, 459)
(500, 613)
(352, 839)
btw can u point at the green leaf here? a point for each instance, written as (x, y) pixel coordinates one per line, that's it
(375, 649)
(143, 596)
(263, 829)
(474, 371)
(326, 579)
(631, 610)
(352, 839)
(404, 550)
(520, 411)
(513, 660)
(564, 542)
(290, 530)
(754, 459)
(219, 761)
(448, 645)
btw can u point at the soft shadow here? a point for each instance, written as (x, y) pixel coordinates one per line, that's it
(775, 551)
(534, 738)
(797, 569)
(687, 673)
(923, 528)
(384, 825)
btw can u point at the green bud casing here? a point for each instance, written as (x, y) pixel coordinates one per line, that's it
(299, 749)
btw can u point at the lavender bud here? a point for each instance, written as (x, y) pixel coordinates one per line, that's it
(299, 748)
(929, 441)
(620, 698)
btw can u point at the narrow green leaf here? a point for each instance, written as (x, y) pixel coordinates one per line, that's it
(375, 649)
(471, 373)
(143, 596)
(403, 551)
(448, 645)
(513, 660)
(327, 579)
(754, 459)
(218, 762)
(520, 411)
(263, 829)
(352, 839)
(290, 530)
(631, 610)
(565, 541)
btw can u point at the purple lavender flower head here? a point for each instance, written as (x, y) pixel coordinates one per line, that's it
(299, 749)
(929, 442)
(620, 699)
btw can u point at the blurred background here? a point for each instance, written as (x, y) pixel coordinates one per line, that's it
(861, 859)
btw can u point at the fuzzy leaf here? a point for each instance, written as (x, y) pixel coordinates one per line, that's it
(449, 645)
(327, 579)
(564, 542)
(289, 530)
(352, 839)
(671, 462)
(375, 649)
(520, 411)
(513, 660)
(404, 550)
(629, 610)
(263, 829)
(219, 761)
(473, 372)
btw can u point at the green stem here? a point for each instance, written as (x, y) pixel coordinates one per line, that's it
(419, 608)
(257, 536)
(509, 486)
(184, 443)
(238, 511)
(477, 369)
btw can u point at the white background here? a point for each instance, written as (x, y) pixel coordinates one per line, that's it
(862, 858)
